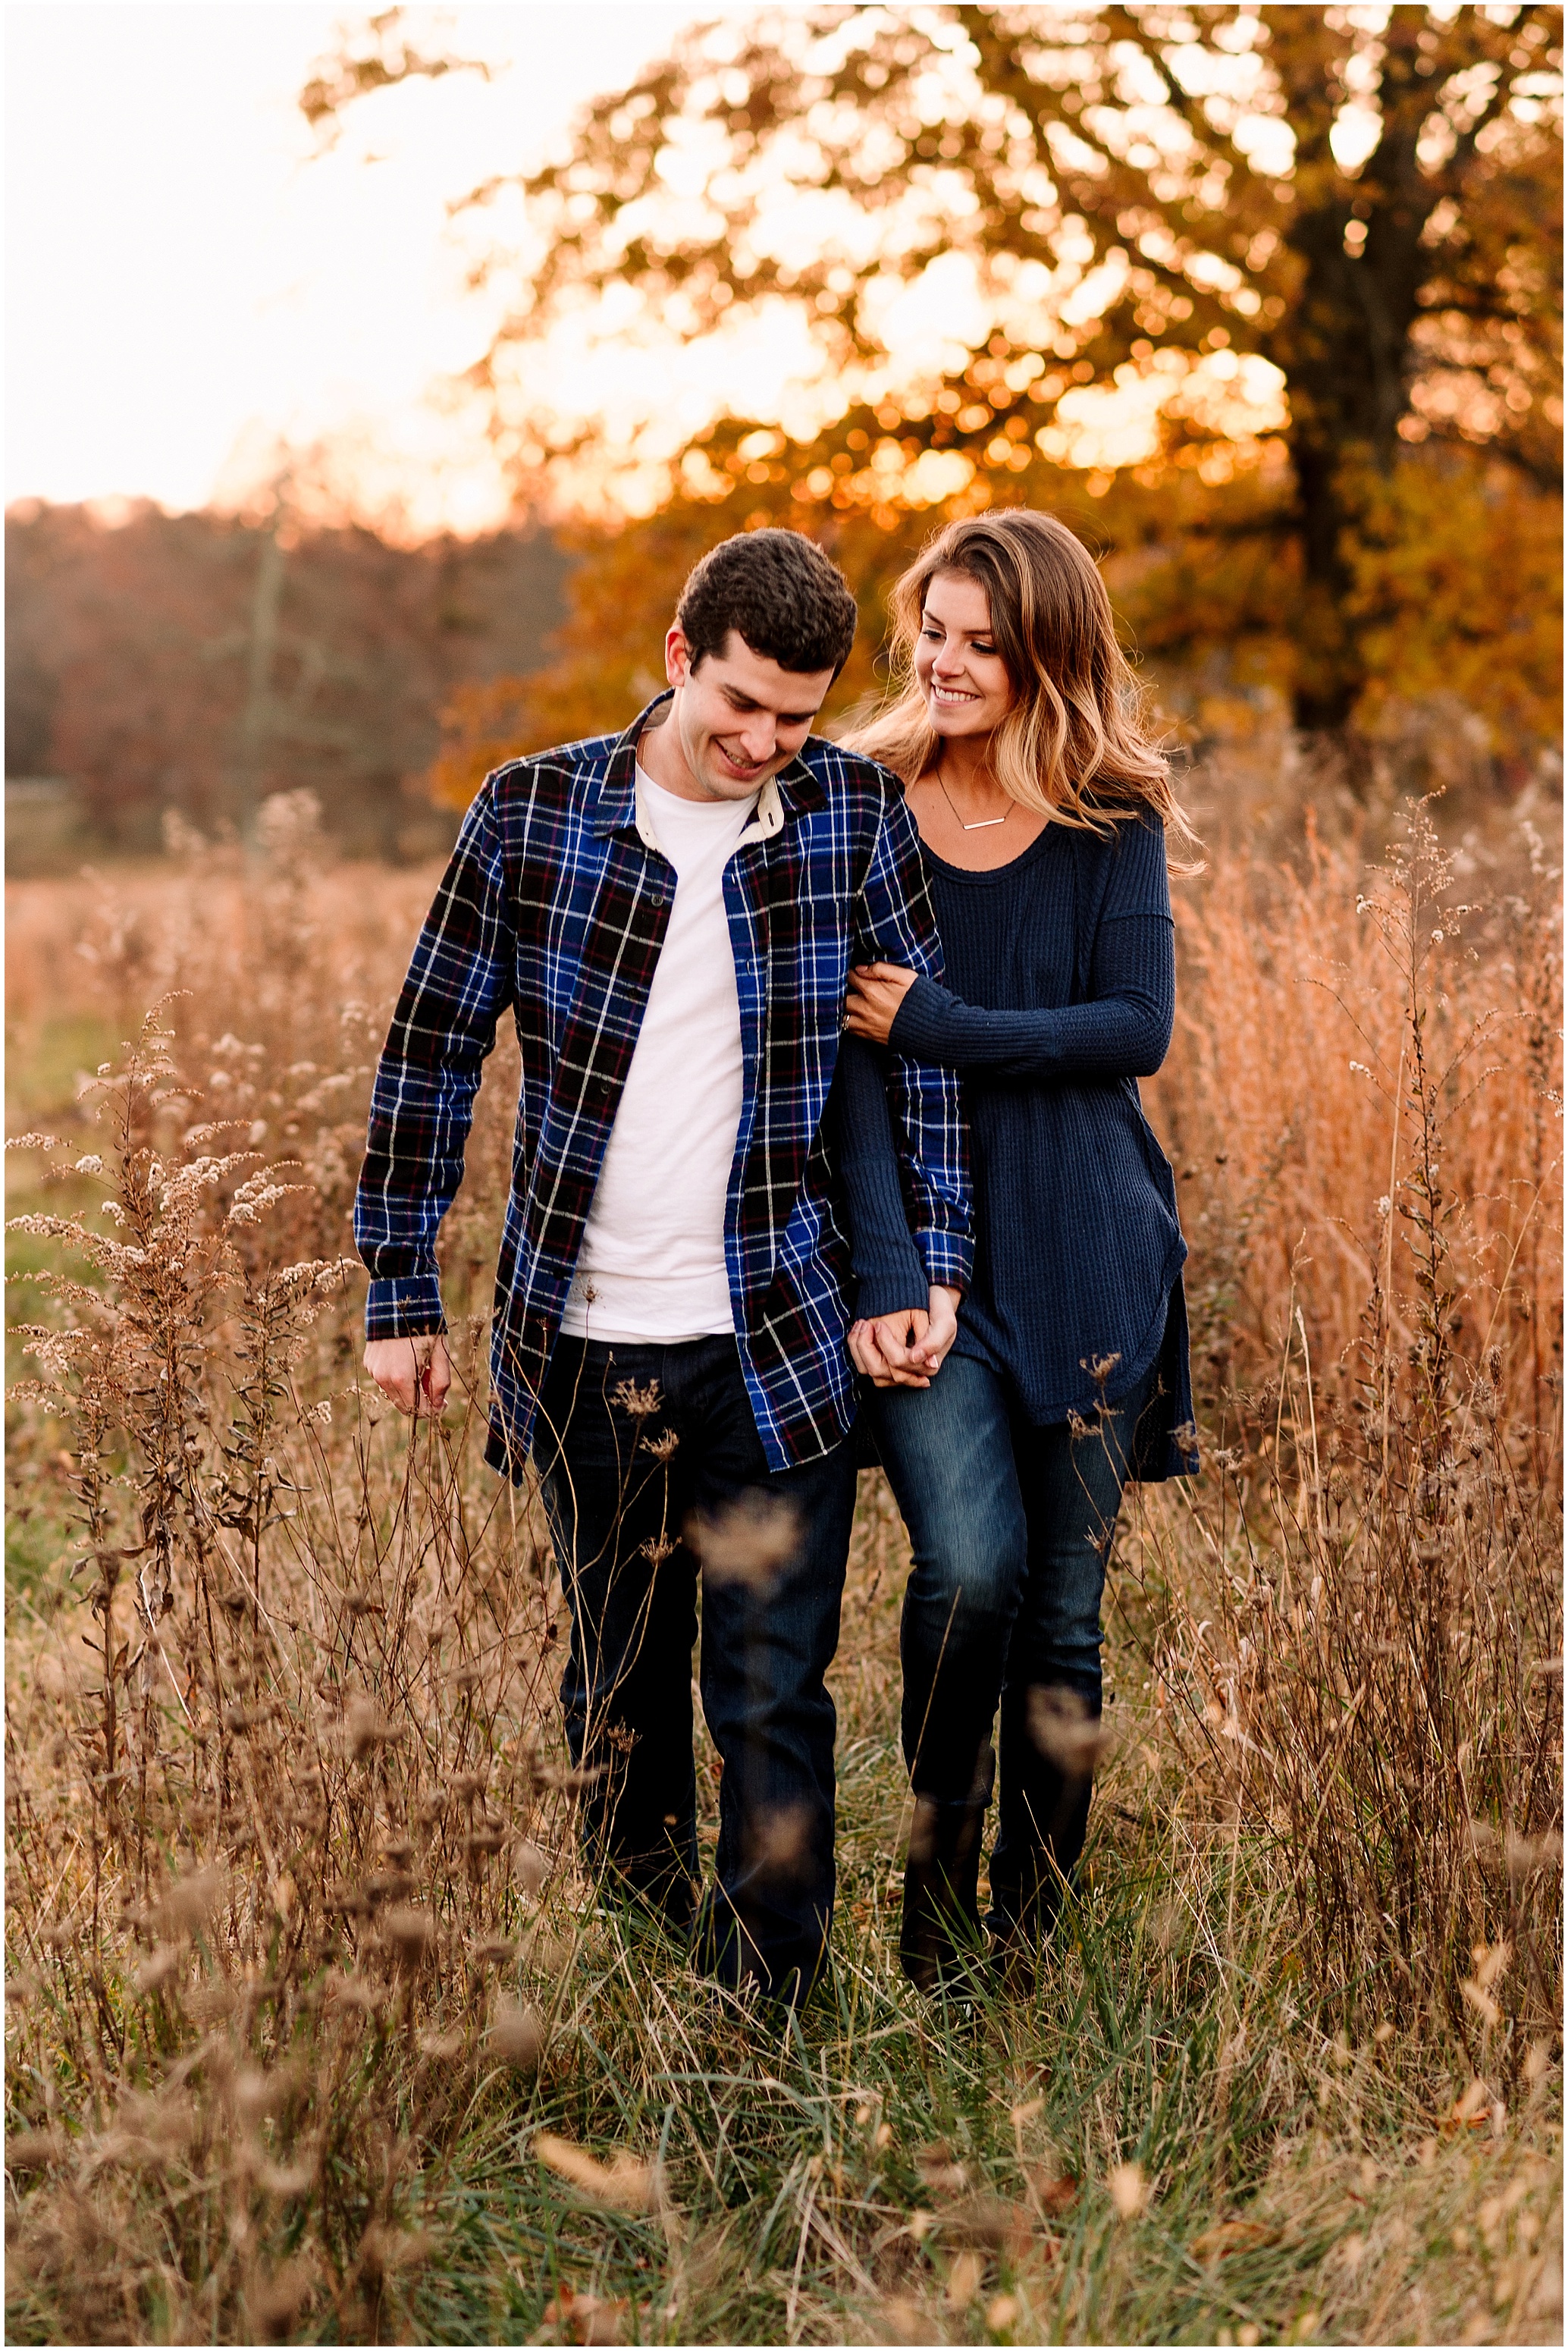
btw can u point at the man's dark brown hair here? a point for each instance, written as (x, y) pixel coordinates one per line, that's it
(789, 601)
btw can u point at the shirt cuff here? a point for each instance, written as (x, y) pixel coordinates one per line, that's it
(407, 1307)
(949, 1258)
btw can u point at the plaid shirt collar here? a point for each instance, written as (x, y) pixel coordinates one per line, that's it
(792, 792)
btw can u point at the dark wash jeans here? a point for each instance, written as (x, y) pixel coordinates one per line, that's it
(631, 1440)
(1010, 1526)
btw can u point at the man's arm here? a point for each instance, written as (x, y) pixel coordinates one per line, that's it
(894, 904)
(458, 984)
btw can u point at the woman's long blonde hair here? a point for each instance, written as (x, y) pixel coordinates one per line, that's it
(1075, 746)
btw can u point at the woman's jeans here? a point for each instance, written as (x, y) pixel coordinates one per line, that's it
(1010, 1526)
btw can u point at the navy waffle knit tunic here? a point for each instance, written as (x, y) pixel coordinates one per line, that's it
(1061, 994)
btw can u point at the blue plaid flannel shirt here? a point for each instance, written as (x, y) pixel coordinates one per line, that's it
(556, 903)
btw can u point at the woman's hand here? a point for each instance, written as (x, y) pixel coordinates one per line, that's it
(906, 1350)
(885, 1348)
(876, 991)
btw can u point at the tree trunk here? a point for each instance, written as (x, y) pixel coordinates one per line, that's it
(256, 718)
(1330, 673)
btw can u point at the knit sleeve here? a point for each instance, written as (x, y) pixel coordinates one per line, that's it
(890, 1276)
(1122, 1031)
(894, 923)
(1137, 880)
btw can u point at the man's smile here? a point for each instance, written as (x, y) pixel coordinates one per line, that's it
(738, 767)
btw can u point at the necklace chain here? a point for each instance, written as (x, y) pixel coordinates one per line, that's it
(983, 825)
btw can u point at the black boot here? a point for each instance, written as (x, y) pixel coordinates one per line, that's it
(1047, 1782)
(940, 1936)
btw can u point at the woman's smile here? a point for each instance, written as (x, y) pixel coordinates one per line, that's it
(962, 675)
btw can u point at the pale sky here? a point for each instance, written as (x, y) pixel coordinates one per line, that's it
(190, 283)
(186, 281)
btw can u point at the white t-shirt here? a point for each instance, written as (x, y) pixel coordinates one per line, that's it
(652, 1250)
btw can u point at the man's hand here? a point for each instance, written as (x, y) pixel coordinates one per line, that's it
(876, 990)
(415, 1372)
(906, 1350)
(941, 1324)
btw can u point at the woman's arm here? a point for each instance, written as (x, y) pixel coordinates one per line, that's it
(892, 917)
(905, 1326)
(889, 1274)
(1123, 1031)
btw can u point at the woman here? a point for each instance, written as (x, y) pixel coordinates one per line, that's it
(1043, 808)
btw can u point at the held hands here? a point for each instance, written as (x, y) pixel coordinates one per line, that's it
(907, 1350)
(876, 992)
(415, 1372)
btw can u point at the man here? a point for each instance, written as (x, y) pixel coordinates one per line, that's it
(672, 915)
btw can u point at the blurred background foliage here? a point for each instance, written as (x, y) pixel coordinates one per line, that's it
(1265, 301)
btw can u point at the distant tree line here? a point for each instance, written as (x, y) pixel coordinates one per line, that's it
(199, 663)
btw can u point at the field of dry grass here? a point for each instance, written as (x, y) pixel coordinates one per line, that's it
(316, 2030)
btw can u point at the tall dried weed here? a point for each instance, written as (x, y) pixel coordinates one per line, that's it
(300, 1956)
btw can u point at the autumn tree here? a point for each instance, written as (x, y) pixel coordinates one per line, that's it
(1309, 243)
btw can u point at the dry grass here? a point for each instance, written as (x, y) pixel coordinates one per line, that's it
(316, 2030)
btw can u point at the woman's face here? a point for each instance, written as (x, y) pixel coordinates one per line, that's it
(956, 665)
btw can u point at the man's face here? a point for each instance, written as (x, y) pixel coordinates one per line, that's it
(738, 718)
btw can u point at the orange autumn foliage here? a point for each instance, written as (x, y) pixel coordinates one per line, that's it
(1455, 565)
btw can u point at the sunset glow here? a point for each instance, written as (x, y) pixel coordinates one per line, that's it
(196, 288)
(190, 282)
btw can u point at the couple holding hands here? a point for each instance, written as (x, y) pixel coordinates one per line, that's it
(828, 1139)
